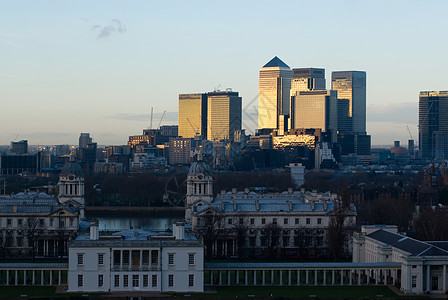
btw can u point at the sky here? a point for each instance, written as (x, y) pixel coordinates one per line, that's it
(68, 67)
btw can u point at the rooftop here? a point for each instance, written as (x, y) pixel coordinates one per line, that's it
(276, 62)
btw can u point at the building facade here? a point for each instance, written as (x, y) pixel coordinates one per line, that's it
(224, 113)
(192, 115)
(351, 85)
(136, 260)
(433, 124)
(307, 79)
(274, 86)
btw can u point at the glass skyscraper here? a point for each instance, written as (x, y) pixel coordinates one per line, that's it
(273, 93)
(307, 79)
(224, 110)
(351, 85)
(433, 124)
(192, 115)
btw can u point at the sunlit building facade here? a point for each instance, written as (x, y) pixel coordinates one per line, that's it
(315, 109)
(433, 124)
(224, 110)
(273, 93)
(351, 85)
(307, 79)
(192, 115)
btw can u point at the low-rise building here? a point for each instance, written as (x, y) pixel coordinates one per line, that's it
(136, 260)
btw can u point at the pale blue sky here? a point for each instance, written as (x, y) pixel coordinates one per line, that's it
(99, 66)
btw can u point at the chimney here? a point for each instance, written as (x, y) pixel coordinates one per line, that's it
(325, 205)
(179, 230)
(223, 205)
(312, 205)
(223, 192)
(234, 190)
(94, 230)
(246, 190)
(234, 205)
(290, 190)
(289, 205)
(257, 205)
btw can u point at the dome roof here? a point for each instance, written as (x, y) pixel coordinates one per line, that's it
(72, 168)
(199, 166)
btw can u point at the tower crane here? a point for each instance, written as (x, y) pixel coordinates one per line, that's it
(160, 122)
(196, 131)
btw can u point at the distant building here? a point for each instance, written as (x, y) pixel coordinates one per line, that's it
(169, 130)
(108, 168)
(136, 260)
(180, 150)
(84, 140)
(14, 164)
(307, 79)
(20, 147)
(192, 115)
(224, 113)
(351, 85)
(315, 109)
(273, 93)
(433, 124)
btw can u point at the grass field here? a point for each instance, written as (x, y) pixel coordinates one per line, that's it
(36, 291)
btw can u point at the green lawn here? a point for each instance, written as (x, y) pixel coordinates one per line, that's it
(36, 291)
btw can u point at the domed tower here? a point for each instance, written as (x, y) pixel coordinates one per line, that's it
(199, 185)
(71, 185)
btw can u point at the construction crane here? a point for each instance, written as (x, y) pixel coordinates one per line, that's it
(160, 122)
(410, 151)
(410, 134)
(196, 131)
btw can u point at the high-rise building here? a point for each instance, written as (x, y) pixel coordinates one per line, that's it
(433, 124)
(20, 147)
(315, 109)
(84, 140)
(192, 115)
(307, 79)
(224, 110)
(273, 93)
(351, 85)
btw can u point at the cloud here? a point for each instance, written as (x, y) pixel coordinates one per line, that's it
(405, 113)
(104, 31)
(170, 117)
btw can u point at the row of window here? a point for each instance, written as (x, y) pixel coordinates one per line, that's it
(135, 280)
(191, 260)
(231, 221)
(41, 222)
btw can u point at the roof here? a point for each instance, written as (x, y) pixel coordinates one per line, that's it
(72, 168)
(407, 244)
(292, 265)
(276, 62)
(199, 166)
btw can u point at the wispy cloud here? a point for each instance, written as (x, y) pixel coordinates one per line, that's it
(105, 31)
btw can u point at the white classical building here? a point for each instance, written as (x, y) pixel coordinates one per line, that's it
(255, 220)
(39, 224)
(136, 260)
(423, 264)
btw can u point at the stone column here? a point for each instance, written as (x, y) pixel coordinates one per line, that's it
(24, 277)
(359, 277)
(281, 277)
(255, 277)
(219, 277)
(51, 277)
(228, 278)
(211, 277)
(263, 282)
(121, 260)
(34, 277)
(350, 277)
(298, 277)
(17, 278)
(444, 278)
(289, 277)
(246, 277)
(332, 277)
(7, 277)
(428, 277)
(237, 277)
(315, 277)
(141, 260)
(42, 273)
(272, 277)
(60, 277)
(306, 277)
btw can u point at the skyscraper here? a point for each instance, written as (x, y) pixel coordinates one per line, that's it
(274, 87)
(351, 85)
(192, 115)
(84, 140)
(224, 110)
(307, 79)
(315, 109)
(433, 124)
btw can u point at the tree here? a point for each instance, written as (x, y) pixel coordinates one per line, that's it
(240, 227)
(30, 230)
(387, 210)
(272, 233)
(209, 228)
(431, 225)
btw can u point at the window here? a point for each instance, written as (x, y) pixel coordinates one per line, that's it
(229, 221)
(145, 280)
(252, 221)
(241, 221)
(154, 280)
(171, 258)
(19, 241)
(100, 280)
(191, 280)
(135, 281)
(191, 258)
(80, 280)
(117, 281)
(80, 259)
(308, 221)
(125, 257)
(171, 280)
(297, 221)
(51, 221)
(125, 280)
(319, 221)
(154, 257)
(19, 221)
(414, 281)
(41, 222)
(285, 221)
(101, 258)
(8, 222)
(274, 221)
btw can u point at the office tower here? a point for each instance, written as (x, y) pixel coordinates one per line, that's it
(192, 115)
(315, 109)
(224, 110)
(411, 147)
(20, 147)
(344, 119)
(169, 130)
(307, 79)
(274, 86)
(351, 85)
(84, 140)
(433, 124)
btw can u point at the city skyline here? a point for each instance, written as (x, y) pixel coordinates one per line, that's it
(100, 67)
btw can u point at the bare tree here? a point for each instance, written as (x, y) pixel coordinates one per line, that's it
(431, 225)
(272, 233)
(240, 227)
(2, 244)
(209, 228)
(30, 230)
